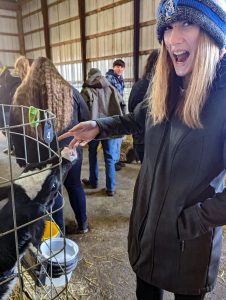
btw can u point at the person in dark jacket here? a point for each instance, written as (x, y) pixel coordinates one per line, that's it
(103, 100)
(8, 85)
(115, 77)
(175, 230)
(9, 82)
(44, 88)
(140, 92)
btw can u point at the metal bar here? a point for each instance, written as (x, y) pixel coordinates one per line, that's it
(24, 134)
(82, 9)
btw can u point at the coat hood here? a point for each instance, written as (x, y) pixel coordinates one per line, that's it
(110, 72)
(96, 81)
(220, 80)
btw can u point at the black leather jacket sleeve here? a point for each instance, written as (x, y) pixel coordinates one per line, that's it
(121, 125)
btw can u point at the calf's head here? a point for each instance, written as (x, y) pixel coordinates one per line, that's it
(40, 182)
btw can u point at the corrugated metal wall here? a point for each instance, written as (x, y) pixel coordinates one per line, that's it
(9, 40)
(65, 39)
(109, 34)
(33, 29)
(148, 38)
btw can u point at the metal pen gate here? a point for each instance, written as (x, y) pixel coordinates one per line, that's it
(35, 271)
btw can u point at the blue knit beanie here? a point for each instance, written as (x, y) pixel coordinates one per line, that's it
(207, 14)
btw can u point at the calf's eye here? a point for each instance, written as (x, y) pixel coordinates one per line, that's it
(54, 187)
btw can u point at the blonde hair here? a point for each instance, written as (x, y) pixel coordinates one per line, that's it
(44, 88)
(203, 74)
(22, 66)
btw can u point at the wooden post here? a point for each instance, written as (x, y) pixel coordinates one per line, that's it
(136, 41)
(81, 4)
(20, 31)
(44, 8)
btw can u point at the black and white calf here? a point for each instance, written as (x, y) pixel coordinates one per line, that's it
(33, 195)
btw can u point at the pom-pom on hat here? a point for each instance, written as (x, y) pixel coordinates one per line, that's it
(210, 15)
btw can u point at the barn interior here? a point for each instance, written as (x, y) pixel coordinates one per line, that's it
(78, 35)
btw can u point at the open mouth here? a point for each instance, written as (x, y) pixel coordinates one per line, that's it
(181, 57)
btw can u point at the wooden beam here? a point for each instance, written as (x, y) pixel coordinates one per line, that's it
(8, 34)
(35, 49)
(136, 39)
(32, 13)
(9, 5)
(109, 32)
(7, 17)
(56, 2)
(24, 1)
(148, 23)
(9, 51)
(44, 8)
(64, 21)
(69, 42)
(112, 56)
(106, 7)
(34, 31)
(20, 31)
(69, 62)
(82, 10)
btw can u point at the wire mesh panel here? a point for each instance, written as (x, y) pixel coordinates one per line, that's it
(36, 260)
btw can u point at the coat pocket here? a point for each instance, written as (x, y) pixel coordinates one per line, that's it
(194, 261)
(189, 224)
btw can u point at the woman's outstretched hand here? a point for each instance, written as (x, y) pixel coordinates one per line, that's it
(83, 133)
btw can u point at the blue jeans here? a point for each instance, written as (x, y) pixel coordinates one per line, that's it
(117, 145)
(58, 216)
(108, 150)
(76, 195)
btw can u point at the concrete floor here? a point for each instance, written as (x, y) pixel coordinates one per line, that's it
(103, 270)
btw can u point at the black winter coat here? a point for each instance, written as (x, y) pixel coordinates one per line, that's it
(175, 227)
(8, 86)
(136, 96)
(138, 93)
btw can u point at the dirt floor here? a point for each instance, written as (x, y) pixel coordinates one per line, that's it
(103, 271)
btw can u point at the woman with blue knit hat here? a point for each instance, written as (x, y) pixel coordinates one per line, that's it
(179, 202)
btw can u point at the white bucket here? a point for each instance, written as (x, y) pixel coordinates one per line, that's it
(60, 281)
(69, 256)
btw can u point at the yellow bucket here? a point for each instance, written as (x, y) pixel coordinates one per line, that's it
(51, 230)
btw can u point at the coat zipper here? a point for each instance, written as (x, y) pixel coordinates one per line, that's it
(160, 212)
(143, 225)
(182, 246)
(153, 248)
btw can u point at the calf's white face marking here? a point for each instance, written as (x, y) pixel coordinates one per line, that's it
(32, 183)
